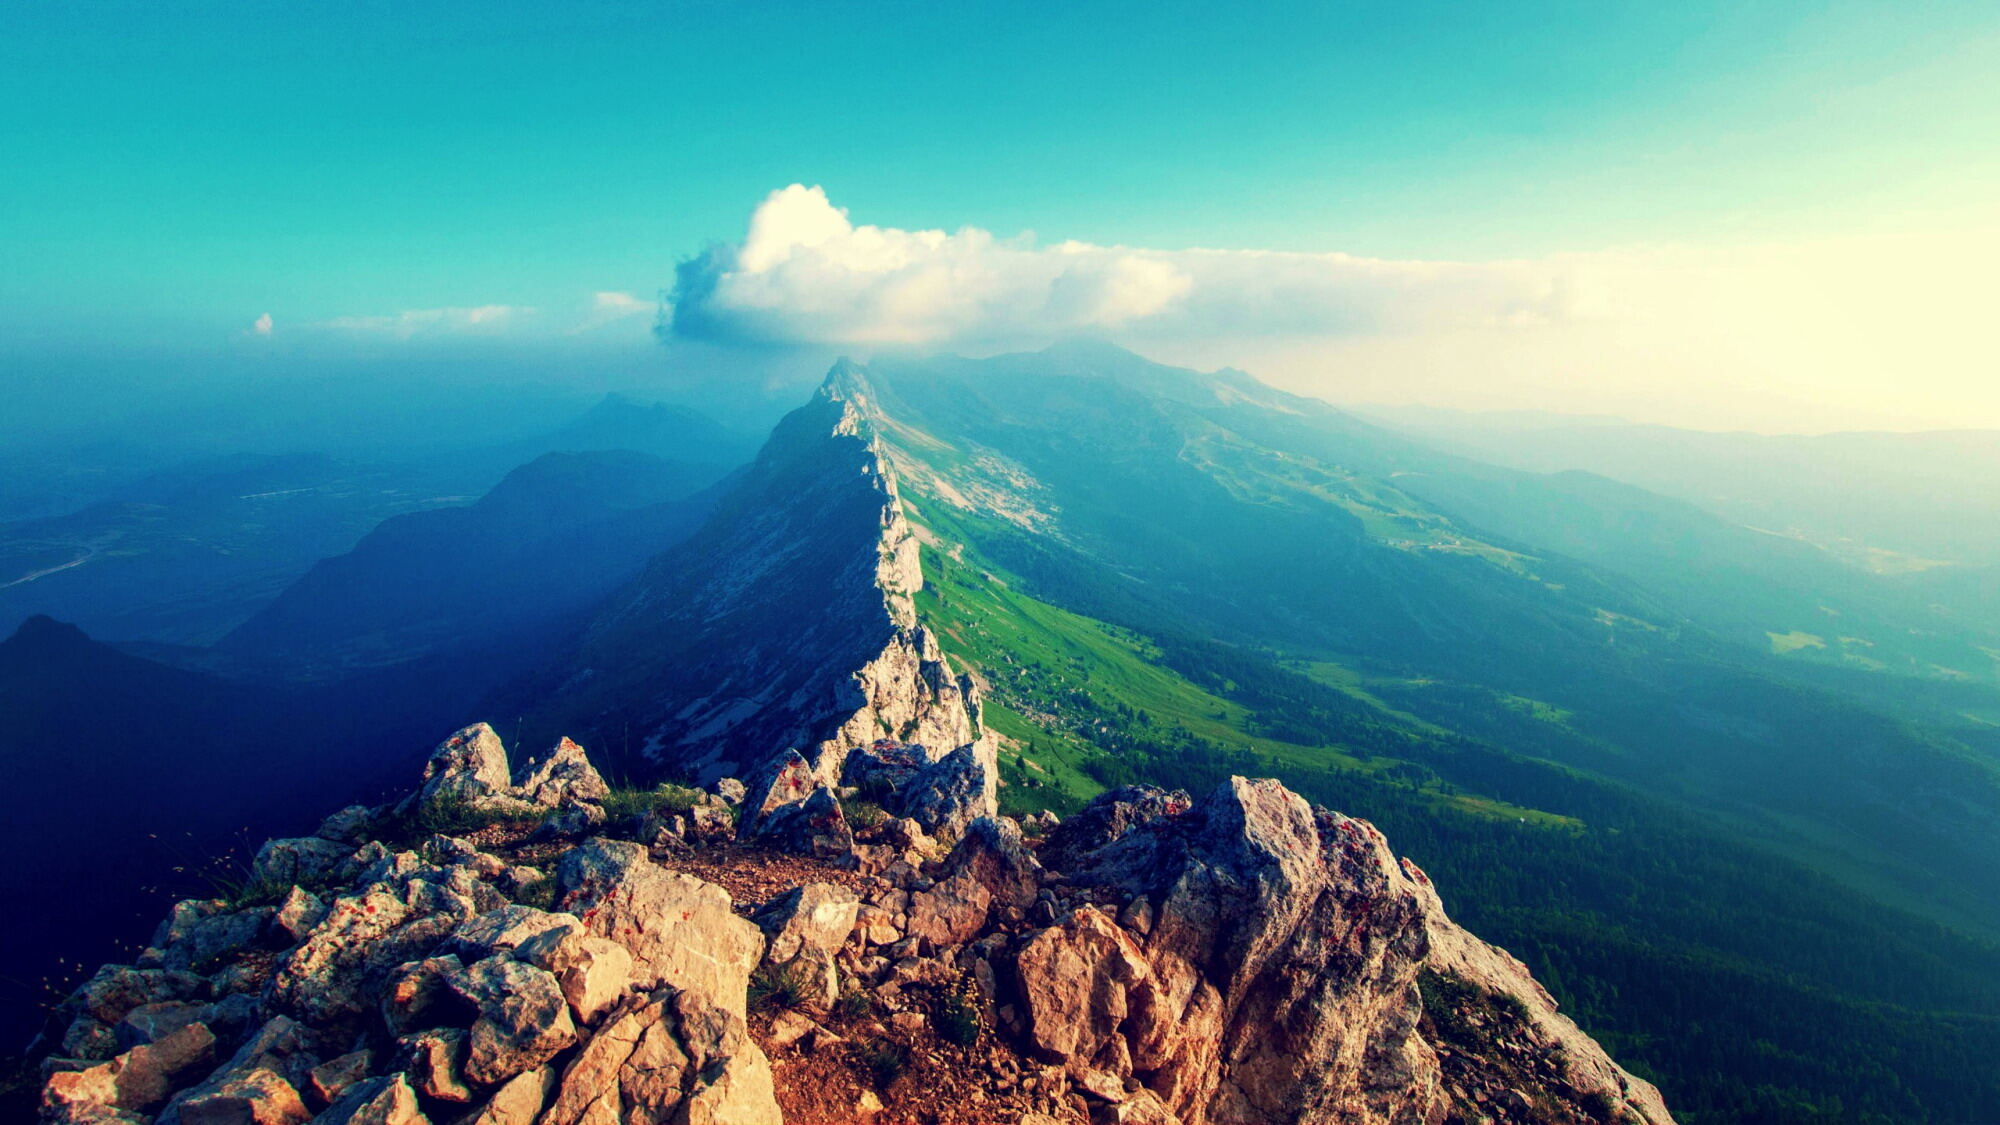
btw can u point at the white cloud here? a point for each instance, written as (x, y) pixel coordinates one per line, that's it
(412, 323)
(262, 325)
(805, 274)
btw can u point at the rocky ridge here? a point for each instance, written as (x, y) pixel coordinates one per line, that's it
(533, 947)
(807, 638)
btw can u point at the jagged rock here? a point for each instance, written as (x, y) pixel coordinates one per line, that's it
(672, 1058)
(435, 1062)
(990, 865)
(149, 1023)
(303, 861)
(136, 1081)
(98, 1004)
(955, 791)
(349, 826)
(376, 1101)
(574, 820)
(298, 914)
(1107, 817)
(330, 1079)
(415, 994)
(523, 1019)
(518, 1101)
(563, 775)
(784, 782)
(806, 928)
(328, 976)
(678, 929)
(256, 1096)
(1082, 981)
(503, 930)
(470, 767)
(199, 934)
(884, 766)
(813, 826)
(731, 790)
(593, 973)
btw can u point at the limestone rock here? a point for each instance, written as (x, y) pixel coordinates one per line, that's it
(958, 789)
(523, 1019)
(518, 1101)
(563, 775)
(377, 1101)
(303, 861)
(136, 1081)
(806, 928)
(678, 929)
(435, 1061)
(248, 1097)
(471, 765)
(593, 973)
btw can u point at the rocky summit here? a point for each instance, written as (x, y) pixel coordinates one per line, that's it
(527, 945)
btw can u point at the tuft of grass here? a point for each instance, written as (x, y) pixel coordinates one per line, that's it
(884, 1060)
(854, 1004)
(863, 814)
(779, 987)
(625, 802)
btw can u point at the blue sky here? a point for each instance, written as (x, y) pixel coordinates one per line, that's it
(171, 171)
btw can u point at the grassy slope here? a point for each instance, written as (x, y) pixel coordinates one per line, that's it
(1653, 931)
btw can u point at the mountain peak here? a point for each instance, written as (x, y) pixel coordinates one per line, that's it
(42, 633)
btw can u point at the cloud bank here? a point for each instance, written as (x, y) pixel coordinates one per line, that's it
(805, 274)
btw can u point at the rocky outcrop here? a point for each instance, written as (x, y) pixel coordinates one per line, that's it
(1244, 959)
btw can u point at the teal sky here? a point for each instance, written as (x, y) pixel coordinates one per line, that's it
(170, 171)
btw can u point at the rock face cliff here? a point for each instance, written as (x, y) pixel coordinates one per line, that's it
(786, 622)
(532, 947)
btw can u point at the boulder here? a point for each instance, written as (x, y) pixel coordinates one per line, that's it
(331, 975)
(297, 915)
(523, 1019)
(435, 1063)
(788, 806)
(594, 973)
(376, 1101)
(672, 1058)
(814, 826)
(256, 1096)
(136, 1081)
(1106, 818)
(503, 930)
(953, 792)
(303, 861)
(518, 1101)
(989, 866)
(678, 929)
(562, 775)
(349, 826)
(469, 768)
(805, 929)
(330, 1079)
(200, 934)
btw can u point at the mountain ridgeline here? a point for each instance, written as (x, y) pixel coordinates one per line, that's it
(1072, 587)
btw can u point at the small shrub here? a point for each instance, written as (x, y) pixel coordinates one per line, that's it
(773, 986)
(883, 1059)
(863, 814)
(957, 1019)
